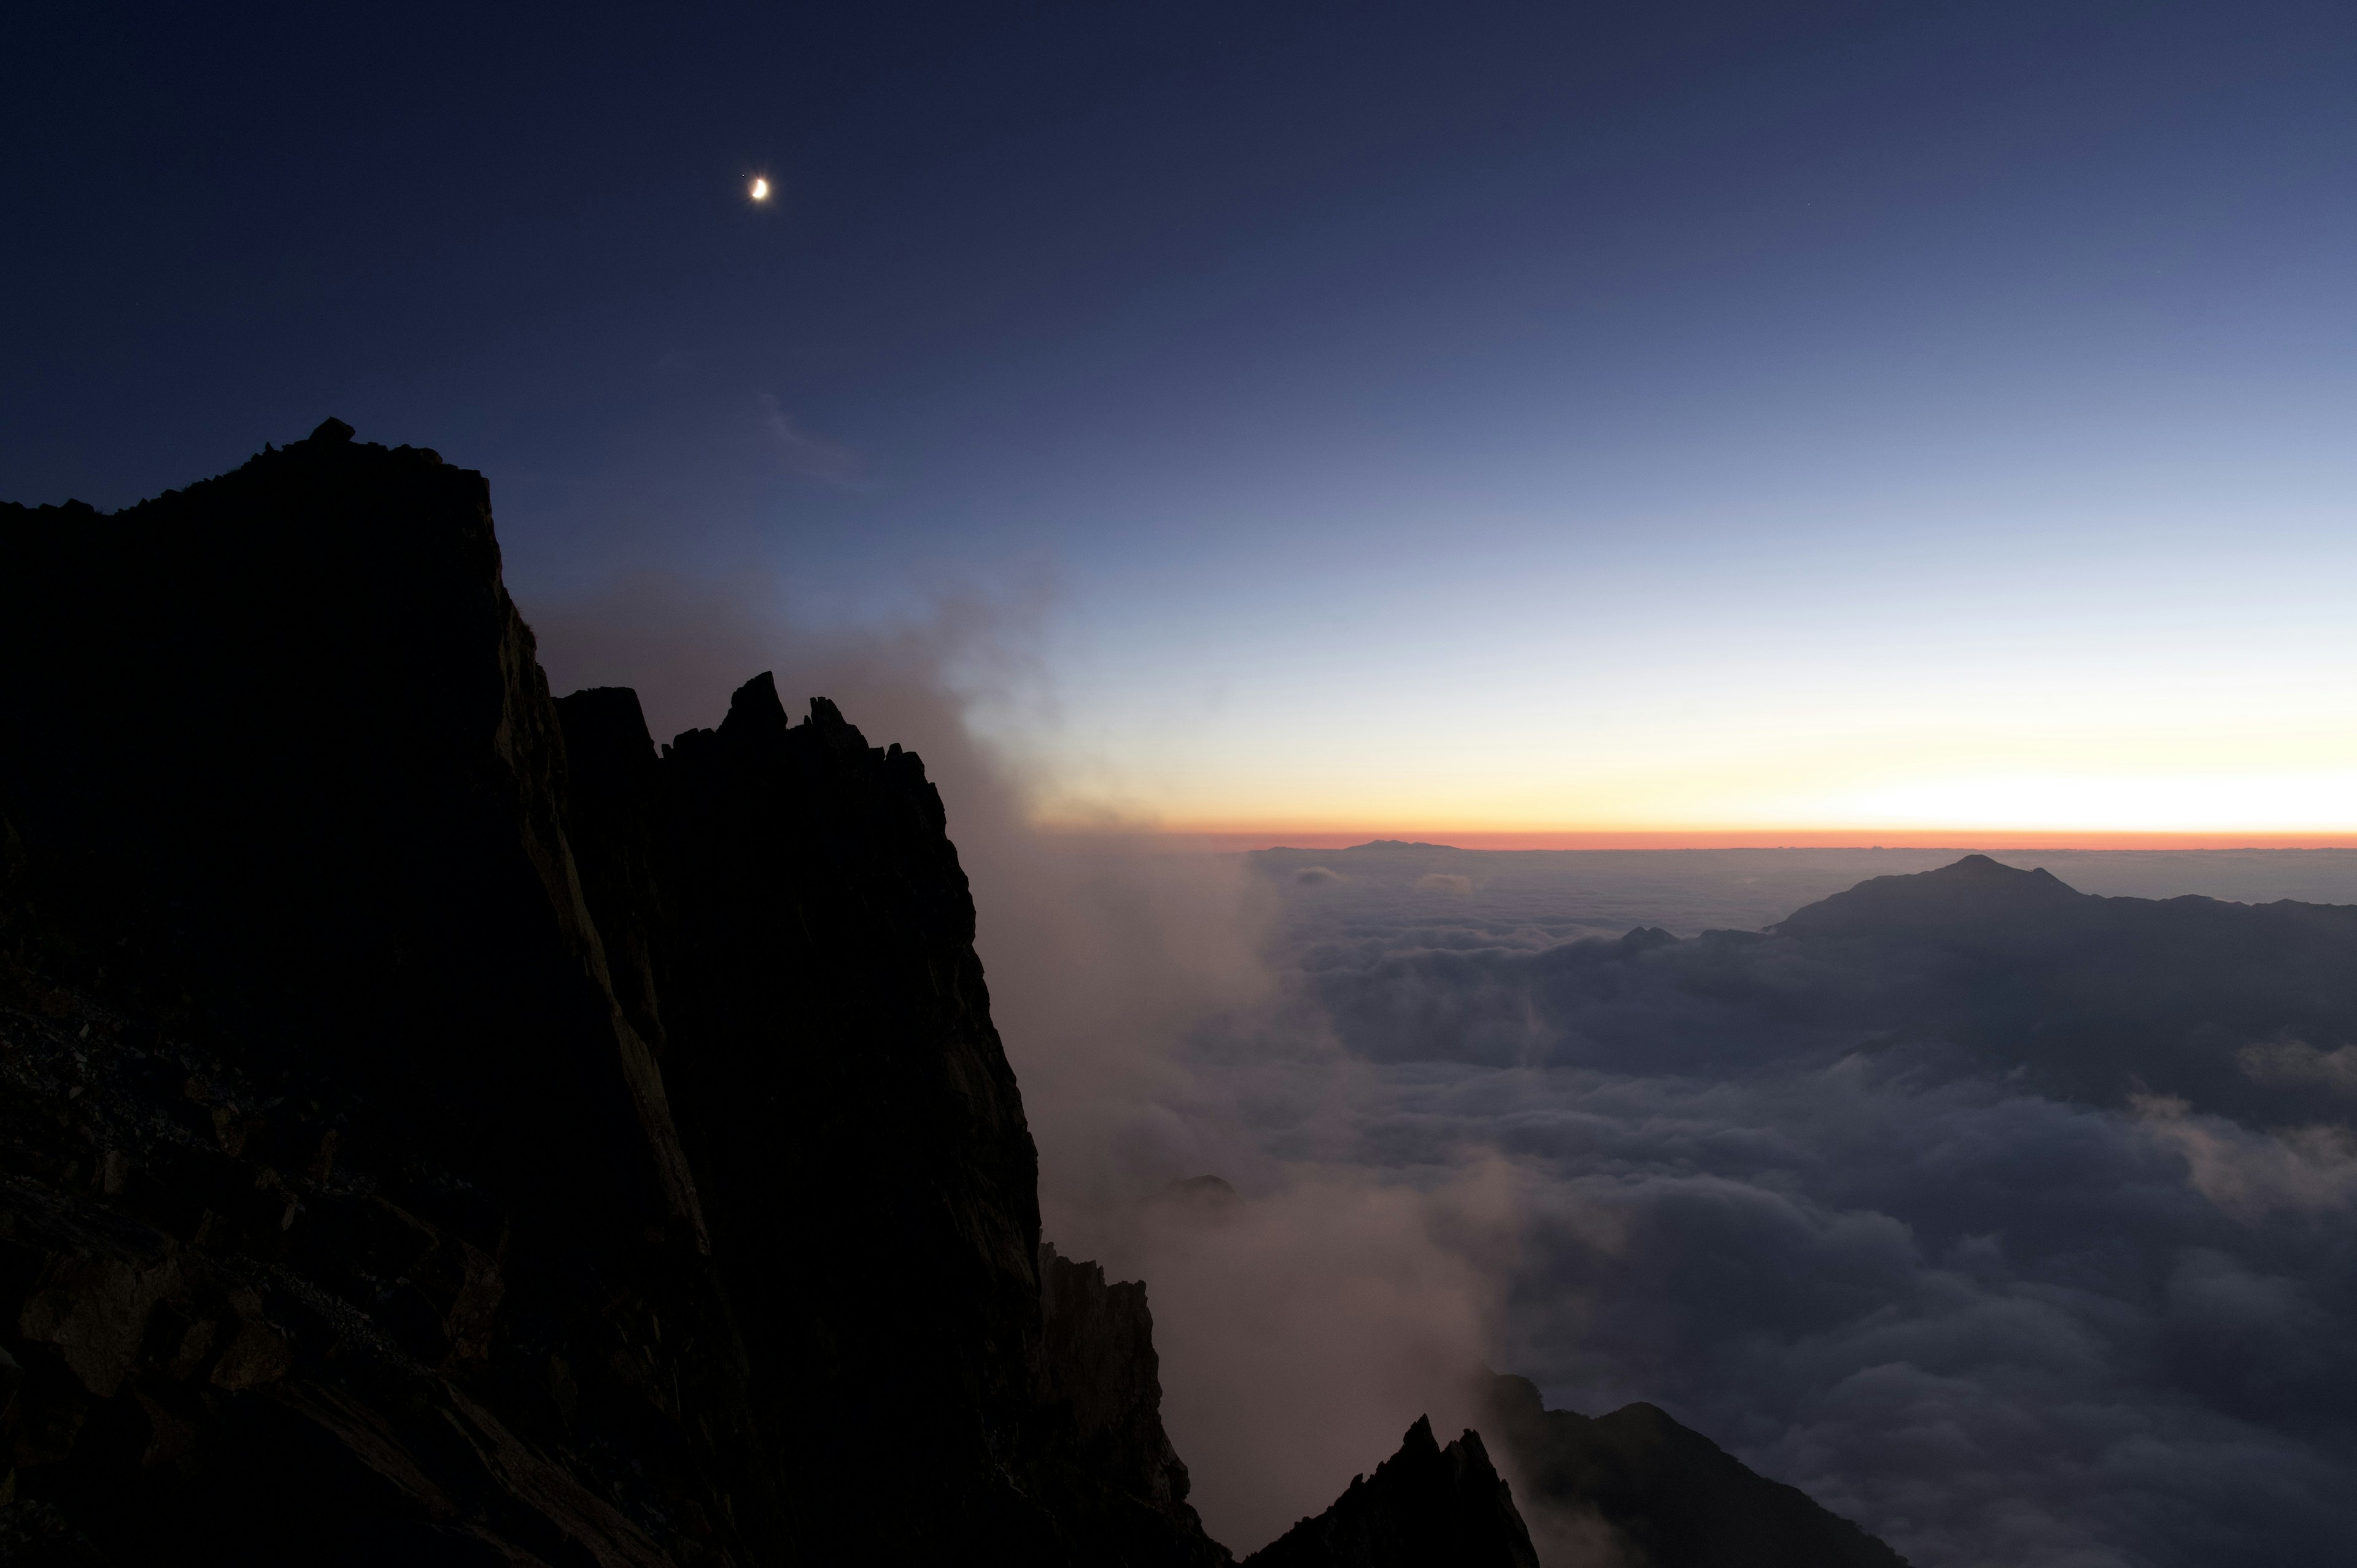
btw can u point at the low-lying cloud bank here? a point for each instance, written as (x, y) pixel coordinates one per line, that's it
(1994, 1320)
(1993, 1325)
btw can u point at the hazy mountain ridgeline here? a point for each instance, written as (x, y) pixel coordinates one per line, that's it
(1635, 1487)
(2245, 1010)
(436, 1125)
(1389, 883)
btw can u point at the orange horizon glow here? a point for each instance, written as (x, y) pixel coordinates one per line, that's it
(1231, 839)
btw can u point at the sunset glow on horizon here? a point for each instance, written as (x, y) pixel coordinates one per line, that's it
(1230, 839)
(2154, 810)
(1717, 775)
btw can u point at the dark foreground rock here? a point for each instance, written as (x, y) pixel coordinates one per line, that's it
(1424, 1506)
(1635, 1489)
(347, 1219)
(1104, 1378)
(437, 1125)
(426, 1135)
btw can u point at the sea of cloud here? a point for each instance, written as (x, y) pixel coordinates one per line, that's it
(1994, 1327)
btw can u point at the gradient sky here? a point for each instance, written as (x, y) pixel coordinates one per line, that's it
(1480, 416)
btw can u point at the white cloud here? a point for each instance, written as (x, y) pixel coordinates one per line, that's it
(2251, 1173)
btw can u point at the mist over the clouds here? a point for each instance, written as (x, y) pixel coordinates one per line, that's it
(1984, 1291)
(1992, 1324)
(1982, 1288)
(1303, 1325)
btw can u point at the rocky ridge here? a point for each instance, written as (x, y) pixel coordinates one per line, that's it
(1426, 1504)
(438, 1125)
(1636, 1488)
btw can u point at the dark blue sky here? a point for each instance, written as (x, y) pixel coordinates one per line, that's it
(1634, 373)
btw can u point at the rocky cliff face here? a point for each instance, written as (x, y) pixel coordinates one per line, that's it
(348, 1215)
(805, 942)
(438, 1125)
(1104, 1393)
(1102, 1369)
(1423, 1505)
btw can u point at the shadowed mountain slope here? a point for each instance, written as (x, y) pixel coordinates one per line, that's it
(1104, 1378)
(1975, 895)
(435, 1131)
(352, 1217)
(2236, 1008)
(1664, 1497)
(2095, 998)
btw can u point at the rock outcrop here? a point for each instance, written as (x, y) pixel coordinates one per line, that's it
(1103, 1378)
(1423, 1505)
(438, 1125)
(803, 941)
(346, 1203)
(435, 1129)
(1637, 1489)
(1102, 1369)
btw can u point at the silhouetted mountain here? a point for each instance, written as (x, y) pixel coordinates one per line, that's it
(2090, 997)
(1975, 895)
(1423, 1505)
(436, 1136)
(438, 1126)
(827, 1042)
(1641, 1488)
(2235, 1008)
(350, 1216)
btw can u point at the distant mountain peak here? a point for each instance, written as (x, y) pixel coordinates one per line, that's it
(1973, 889)
(1982, 869)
